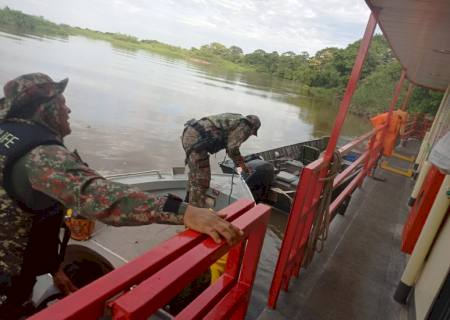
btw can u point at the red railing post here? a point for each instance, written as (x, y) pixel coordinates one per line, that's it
(159, 274)
(351, 86)
(394, 100)
(403, 131)
(294, 221)
(249, 266)
(371, 149)
(418, 214)
(408, 95)
(301, 215)
(303, 234)
(242, 292)
(230, 293)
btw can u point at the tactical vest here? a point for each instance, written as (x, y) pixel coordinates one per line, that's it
(29, 239)
(225, 123)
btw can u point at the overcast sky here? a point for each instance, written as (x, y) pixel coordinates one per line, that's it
(271, 25)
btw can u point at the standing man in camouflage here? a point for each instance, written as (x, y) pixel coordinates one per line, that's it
(208, 136)
(40, 178)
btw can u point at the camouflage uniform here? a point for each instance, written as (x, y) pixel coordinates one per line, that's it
(50, 176)
(208, 136)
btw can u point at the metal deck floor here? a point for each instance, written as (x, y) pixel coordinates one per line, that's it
(356, 274)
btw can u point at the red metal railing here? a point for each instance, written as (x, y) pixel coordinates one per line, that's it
(310, 188)
(308, 199)
(416, 127)
(311, 184)
(157, 276)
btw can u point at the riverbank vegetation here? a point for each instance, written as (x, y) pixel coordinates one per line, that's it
(324, 74)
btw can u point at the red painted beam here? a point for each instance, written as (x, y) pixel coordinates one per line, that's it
(351, 85)
(292, 227)
(408, 95)
(346, 192)
(158, 289)
(228, 305)
(208, 299)
(393, 103)
(352, 145)
(344, 174)
(419, 212)
(89, 302)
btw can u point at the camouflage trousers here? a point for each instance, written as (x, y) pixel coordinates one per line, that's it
(199, 169)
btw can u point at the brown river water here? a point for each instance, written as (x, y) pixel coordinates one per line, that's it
(129, 107)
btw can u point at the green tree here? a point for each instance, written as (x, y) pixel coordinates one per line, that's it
(236, 54)
(425, 100)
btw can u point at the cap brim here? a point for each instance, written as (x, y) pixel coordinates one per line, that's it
(62, 85)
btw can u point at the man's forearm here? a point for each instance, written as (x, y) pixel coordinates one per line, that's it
(236, 156)
(121, 205)
(241, 164)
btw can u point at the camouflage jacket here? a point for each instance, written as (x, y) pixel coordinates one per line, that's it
(33, 219)
(238, 131)
(61, 175)
(235, 138)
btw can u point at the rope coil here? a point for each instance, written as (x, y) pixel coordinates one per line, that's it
(322, 218)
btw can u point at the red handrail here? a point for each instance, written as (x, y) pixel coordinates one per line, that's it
(416, 127)
(307, 200)
(310, 188)
(159, 274)
(311, 183)
(350, 169)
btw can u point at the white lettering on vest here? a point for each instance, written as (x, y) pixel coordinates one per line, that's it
(7, 139)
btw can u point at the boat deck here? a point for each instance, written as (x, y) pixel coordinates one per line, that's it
(357, 273)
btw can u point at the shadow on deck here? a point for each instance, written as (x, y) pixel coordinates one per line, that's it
(357, 273)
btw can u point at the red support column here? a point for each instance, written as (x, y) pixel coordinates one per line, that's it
(408, 95)
(370, 148)
(301, 243)
(419, 212)
(394, 100)
(296, 218)
(351, 85)
(398, 88)
(295, 224)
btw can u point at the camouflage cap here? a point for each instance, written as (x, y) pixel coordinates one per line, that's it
(255, 122)
(27, 89)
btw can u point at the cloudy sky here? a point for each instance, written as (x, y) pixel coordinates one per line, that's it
(271, 25)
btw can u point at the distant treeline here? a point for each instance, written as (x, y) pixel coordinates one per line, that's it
(325, 74)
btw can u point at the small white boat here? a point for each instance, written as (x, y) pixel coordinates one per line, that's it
(110, 247)
(276, 172)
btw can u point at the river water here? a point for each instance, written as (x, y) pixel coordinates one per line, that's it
(129, 107)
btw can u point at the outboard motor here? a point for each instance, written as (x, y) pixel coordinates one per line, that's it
(260, 179)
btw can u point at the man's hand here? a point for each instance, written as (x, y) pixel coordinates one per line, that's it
(243, 166)
(246, 170)
(63, 283)
(212, 224)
